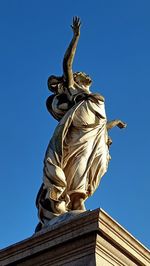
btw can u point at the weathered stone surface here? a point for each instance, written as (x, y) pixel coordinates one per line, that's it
(90, 238)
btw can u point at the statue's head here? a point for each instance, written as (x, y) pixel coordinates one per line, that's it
(82, 79)
(54, 82)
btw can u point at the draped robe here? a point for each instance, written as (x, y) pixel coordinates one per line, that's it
(77, 155)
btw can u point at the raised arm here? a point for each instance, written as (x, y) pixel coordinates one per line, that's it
(70, 53)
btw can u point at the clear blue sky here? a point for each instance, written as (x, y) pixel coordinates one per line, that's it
(114, 49)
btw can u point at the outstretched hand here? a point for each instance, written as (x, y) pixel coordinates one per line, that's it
(121, 124)
(76, 23)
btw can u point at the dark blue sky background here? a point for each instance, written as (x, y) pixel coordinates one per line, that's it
(114, 49)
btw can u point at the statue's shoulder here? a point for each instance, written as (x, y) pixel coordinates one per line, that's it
(98, 97)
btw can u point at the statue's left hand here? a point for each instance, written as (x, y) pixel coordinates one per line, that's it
(76, 26)
(121, 124)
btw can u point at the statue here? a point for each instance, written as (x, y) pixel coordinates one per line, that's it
(78, 153)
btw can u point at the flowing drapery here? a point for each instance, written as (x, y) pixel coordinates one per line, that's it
(77, 156)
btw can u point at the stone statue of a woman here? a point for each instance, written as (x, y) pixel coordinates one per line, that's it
(78, 153)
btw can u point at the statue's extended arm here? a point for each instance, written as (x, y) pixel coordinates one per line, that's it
(70, 53)
(115, 123)
(112, 124)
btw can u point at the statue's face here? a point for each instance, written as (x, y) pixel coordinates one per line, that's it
(82, 79)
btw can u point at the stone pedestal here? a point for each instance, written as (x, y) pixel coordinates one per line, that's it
(91, 238)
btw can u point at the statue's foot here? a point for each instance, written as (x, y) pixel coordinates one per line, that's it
(59, 207)
(77, 203)
(81, 205)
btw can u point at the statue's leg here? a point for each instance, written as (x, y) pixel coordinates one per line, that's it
(77, 201)
(77, 176)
